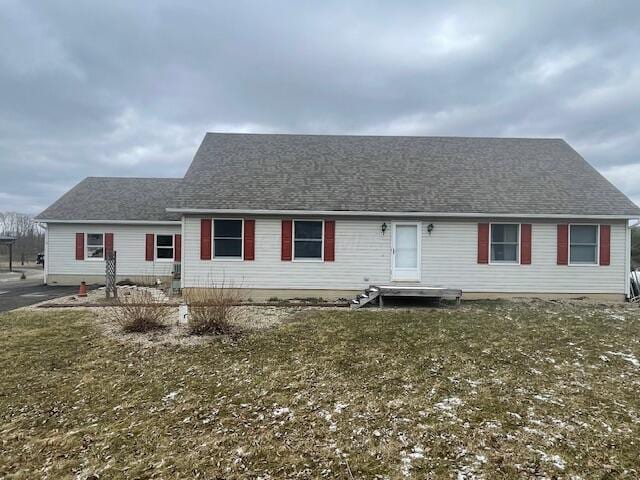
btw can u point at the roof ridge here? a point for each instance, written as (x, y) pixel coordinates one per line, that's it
(348, 135)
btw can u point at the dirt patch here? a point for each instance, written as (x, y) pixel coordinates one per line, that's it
(247, 319)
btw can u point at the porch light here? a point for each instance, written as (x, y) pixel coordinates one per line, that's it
(384, 227)
(430, 228)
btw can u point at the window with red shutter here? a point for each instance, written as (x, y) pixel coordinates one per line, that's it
(79, 246)
(525, 244)
(285, 254)
(483, 243)
(563, 244)
(108, 242)
(205, 239)
(149, 246)
(249, 239)
(605, 245)
(329, 240)
(177, 251)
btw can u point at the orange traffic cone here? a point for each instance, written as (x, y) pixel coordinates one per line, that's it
(83, 290)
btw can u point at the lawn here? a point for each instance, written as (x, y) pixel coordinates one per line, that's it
(490, 390)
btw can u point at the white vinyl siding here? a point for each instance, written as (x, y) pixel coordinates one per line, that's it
(128, 242)
(448, 257)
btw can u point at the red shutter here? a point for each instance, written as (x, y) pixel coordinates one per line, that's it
(329, 240)
(149, 246)
(205, 239)
(483, 243)
(249, 239)
(108, 242)
(605, 244)
(79, 246)
(177, 247)
(525, 244)
(286, 240)
(563, 244)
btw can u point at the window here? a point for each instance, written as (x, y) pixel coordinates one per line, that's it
(307, 239)
(504, 242)
(164, 247)
(227, 238)
(95, 246)
(583, 244)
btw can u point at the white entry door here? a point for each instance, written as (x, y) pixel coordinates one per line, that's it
(405, 253)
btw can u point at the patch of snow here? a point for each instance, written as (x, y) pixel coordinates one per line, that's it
(170, 397)
(449, 403)
(555, 460)
(280, 411)
(340, 407)
(407, 458)
(629, 357)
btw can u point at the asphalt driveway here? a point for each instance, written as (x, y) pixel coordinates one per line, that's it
(20, 295)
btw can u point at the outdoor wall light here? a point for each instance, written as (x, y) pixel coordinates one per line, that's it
(430, 228)
(383, 228)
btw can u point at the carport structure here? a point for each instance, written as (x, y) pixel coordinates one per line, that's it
(9, 241)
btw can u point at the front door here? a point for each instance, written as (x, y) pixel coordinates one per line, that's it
(405, 253)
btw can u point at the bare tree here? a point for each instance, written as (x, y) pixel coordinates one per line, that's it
(29, 235)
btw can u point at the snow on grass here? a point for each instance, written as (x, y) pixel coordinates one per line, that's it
(488, 390)
(629, 357)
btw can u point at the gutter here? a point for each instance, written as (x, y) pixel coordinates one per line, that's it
(356, 213)
(121, 222)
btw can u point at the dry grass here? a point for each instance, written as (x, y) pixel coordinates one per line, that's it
(139, 310)
(212, 311)
(495, 390)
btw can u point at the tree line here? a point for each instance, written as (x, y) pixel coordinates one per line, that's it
(29, 235)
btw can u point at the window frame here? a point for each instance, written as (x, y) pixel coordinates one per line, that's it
(597, 252)
(86, 247)
(518, 244)
(173, 247)
(214, 257)
(293, 241)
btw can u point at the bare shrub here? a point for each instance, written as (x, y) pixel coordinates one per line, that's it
(212, 310)
(140, 310)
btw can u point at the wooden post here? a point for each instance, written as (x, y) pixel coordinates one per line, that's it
(11, 257)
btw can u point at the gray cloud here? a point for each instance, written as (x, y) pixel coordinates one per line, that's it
(129, 88)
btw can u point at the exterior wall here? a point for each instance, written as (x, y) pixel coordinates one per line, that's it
(62, 268)
(449, 258)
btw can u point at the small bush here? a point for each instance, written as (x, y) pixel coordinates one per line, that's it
(212, 310)
(141, 310)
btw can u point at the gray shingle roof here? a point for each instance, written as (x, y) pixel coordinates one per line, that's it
(396, 174)
(115, 198)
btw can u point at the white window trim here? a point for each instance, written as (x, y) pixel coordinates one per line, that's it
(213, 242)
(597, 262)
(293, 241)
(173, 247)
(518, 248)
(86, 247)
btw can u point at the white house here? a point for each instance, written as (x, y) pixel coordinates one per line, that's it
(319, 215)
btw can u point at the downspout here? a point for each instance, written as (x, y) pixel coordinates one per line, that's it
(184, 252)
(627, 262)
(46, 251)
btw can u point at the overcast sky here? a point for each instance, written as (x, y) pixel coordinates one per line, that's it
(128, 88)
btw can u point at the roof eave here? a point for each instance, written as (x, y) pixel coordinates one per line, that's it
(353, 213)
(122, 222)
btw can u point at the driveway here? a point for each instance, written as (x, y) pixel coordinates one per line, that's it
(16, 295)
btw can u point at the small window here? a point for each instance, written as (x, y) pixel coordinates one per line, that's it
(227, 238)
(308, 239)
(504, 242)
(164, 247)
(583, 244)
(95, 245)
